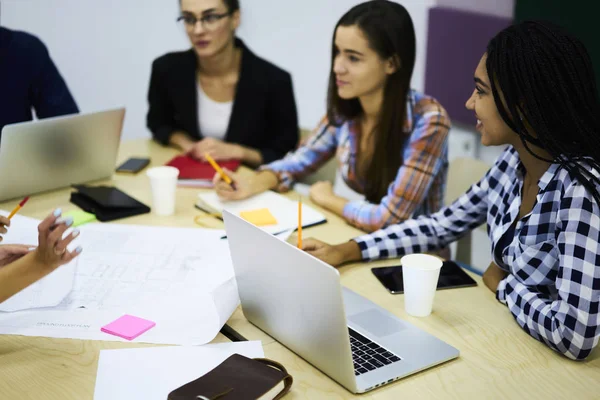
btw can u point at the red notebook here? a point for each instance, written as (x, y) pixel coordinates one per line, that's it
(198, 173)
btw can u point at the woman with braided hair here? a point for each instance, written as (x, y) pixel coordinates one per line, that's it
(535, 92)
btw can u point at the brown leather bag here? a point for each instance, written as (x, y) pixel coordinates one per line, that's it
(237, 378)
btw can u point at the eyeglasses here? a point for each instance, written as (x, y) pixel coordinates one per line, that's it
(209, 22)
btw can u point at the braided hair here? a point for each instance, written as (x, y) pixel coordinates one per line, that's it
(550, 96)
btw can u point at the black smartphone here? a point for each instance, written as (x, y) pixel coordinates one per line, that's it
(451, 276)
(133, 165)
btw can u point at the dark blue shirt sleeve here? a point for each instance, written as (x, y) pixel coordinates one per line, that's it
(50, 95)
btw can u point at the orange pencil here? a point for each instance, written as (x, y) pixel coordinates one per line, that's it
(17, 208)
(300, 224)
(223, 175)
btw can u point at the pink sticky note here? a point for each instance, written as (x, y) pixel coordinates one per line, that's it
(128, 327)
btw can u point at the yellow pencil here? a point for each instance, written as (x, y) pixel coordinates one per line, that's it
(223, 175)
(300, 224)
(18, 207)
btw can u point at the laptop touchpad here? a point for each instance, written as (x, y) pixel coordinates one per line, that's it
(377, 322)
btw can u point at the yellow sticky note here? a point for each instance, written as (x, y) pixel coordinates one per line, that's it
(260, 217)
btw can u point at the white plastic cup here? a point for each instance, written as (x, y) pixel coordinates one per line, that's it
(420, 274)
(163, 182)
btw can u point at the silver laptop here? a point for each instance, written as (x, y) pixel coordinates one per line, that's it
(298, 300)
(57, 152)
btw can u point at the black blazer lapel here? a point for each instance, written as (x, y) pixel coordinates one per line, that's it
(187, 91)
(243, 93)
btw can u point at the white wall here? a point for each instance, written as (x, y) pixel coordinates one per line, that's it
(104, 49)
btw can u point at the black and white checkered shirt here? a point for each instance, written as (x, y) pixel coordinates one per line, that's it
(553, 288)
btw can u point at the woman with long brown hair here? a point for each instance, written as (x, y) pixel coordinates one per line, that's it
(390, 141)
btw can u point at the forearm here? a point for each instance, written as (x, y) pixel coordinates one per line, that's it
(335, 204)
(569, 327)
(263, 181)
(309, 157)
(418, 235)
(182, 141)
(250, 156)
(19, 274)
(371, 217)
(350, 252)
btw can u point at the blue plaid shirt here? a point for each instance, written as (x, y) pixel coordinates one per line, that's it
(419, 185)
(553, 260)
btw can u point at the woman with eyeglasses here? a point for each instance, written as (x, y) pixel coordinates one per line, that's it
(390, 141)
(219, 98)
(535, 92)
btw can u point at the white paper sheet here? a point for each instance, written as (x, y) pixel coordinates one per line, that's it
(182, 279)
(48, 291)
(152, 373)
(283, 209)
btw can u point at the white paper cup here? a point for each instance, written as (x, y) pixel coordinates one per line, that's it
(420, 274)
(163, 182)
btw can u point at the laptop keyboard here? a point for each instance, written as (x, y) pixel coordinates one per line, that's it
(368, 355)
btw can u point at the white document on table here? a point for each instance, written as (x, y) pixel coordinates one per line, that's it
(182, 279)
(152, 373)
(283, 209)
(48, 291)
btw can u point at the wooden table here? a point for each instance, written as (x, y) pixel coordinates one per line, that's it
(498, 359)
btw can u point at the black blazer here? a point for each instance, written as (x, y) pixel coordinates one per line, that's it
(264, 113)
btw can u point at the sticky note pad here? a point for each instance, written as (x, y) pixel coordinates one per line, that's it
(128, 327)
(80, 217)
(260, 217)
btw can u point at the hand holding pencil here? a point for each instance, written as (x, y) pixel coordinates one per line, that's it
(219, 171)
(5, 221)
(4, 224)
(229, 185)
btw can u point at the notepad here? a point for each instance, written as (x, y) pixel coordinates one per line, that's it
(80, 217)
(128, 327)
(283, 210)
(260, 217)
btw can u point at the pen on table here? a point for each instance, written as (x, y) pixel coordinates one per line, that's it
(300, 224)
(223, 175)
(18, 207)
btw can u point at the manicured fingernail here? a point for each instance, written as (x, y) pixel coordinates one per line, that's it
(69, 221)
(32, 248)
(78, 249)
(57, 212)
(75, 233)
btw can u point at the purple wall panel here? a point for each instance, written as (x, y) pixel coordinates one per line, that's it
(456, 41)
